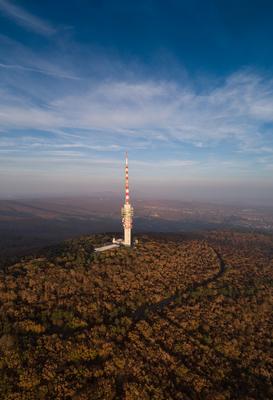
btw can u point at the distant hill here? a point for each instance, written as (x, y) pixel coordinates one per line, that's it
(176, 317)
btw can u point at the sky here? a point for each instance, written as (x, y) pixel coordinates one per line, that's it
(186, 87)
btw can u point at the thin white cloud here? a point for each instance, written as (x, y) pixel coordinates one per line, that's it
(38, 70)
(161, 111)
(116, 115)
(25, 19)
(171, 163)
(15, 57)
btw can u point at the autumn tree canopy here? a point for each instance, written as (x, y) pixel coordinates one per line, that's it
(173, 318)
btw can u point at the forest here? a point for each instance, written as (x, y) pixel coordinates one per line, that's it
(174, 317)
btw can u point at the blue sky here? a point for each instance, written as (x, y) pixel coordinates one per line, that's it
(185, 87)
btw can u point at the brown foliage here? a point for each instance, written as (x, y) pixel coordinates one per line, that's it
(168, 319)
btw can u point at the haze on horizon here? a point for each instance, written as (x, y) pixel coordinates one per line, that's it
(185, 87)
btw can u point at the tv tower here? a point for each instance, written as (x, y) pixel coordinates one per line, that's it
(127, 210)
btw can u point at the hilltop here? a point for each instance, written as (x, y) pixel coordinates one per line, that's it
(28, 225)
(176, 317)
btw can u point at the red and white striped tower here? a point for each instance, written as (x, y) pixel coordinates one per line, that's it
(127, 195)
(127, 210)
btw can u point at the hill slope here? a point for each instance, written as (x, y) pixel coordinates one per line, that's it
(176, 317)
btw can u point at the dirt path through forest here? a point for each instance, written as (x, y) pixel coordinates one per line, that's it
(142, 312)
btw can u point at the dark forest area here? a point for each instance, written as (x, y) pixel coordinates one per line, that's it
(175, 317)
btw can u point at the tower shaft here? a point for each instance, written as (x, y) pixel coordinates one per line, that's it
(127, 210)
